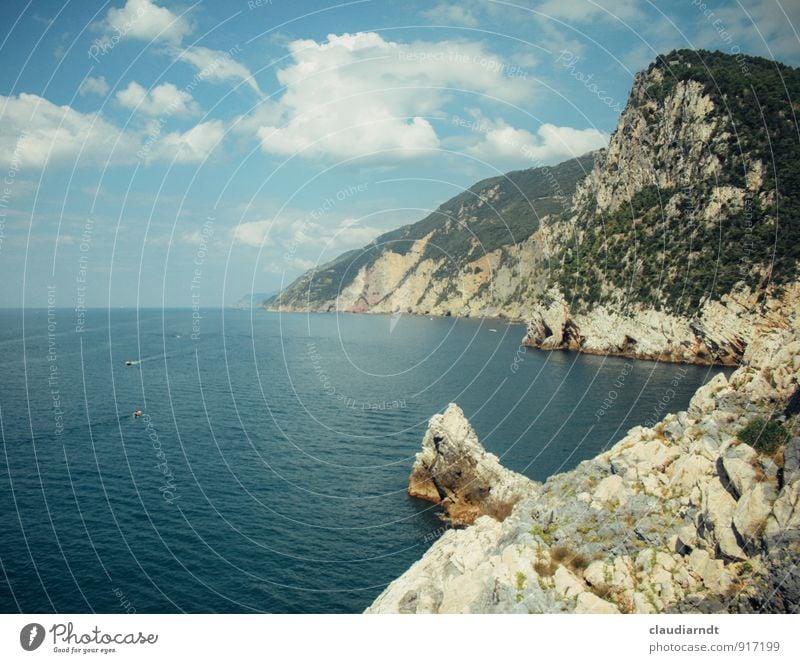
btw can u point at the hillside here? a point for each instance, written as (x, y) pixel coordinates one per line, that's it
(458, 245)
(699, 190)
(684, 232)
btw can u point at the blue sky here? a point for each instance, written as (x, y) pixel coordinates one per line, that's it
(179, 153)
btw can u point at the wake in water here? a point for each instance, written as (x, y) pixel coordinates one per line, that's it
(161, 355)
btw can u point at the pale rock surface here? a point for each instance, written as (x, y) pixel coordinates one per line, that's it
(588, 603)
(455, 470)
(670, 519)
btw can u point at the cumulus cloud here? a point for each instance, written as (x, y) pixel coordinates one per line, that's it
(768, 28)
(300, 242)
(145, 20)
(192, 146)
(447, 14)
(34, 133)
(550, 144)
(253, 233)
(163, 100)
(358, 94)
(217, 66)
(93, 86)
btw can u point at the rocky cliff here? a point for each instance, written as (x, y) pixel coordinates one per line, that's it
(466, 258)
(685, 231)
(700, 513)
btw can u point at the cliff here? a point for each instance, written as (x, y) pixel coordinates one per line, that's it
(463, 259)
(685, 230)
(700, 513)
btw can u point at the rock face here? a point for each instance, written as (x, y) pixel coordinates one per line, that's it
(454, 470)
(661, 251)
(678, 517)
(717, 335)
(466, 258)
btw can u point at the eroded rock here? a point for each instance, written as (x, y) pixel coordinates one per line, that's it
(454, 470)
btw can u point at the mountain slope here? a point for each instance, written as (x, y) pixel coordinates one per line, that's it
(702, 174)
(456, 247)
(686, 230)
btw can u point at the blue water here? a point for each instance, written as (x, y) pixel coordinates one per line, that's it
(269, 472)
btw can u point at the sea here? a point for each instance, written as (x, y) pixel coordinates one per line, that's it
(267, 471)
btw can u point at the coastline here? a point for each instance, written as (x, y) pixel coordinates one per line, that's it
(682, 516)
(664, 357)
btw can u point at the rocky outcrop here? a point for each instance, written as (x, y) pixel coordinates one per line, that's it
(679, 517)
(717, 335)
(455, 471)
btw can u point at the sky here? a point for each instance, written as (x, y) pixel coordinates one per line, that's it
(179, 154)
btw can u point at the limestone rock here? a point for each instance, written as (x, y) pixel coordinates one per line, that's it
(455, 470)
(667, 520)
(688, 470)
(739, 463)
(716, 520)
(609, 489)
(704, 399)
(791, 461)
(752, 510)
(589, 603)
(566, 583)
(783, 523)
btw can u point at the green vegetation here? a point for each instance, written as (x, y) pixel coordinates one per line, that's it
(764, 435)
(660, 248)
(496, 212)
(522, 580)
(675, 260)
(544, 533)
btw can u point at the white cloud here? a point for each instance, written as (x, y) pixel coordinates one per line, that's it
(299, 242)
(34, 132)
(768, 28)
(285, 263)
(164, 100)
(195, 237)
(217, 66)
(447, 14)
(192, 146)
(93, 86)
(253, 233)
(549, 145)
(358, 94)
(144, 20)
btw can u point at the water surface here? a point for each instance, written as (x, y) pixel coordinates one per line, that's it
(269, 470)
